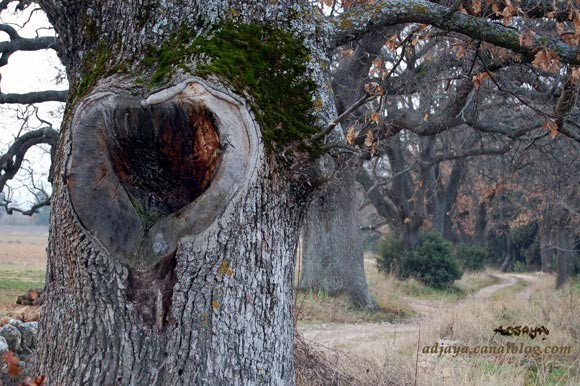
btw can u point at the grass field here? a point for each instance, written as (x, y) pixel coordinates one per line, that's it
(22, 262)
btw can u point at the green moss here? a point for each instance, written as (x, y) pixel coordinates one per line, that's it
(94, 64)
(147, 214)
(266, 64)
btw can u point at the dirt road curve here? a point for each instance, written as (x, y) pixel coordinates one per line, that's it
(373, 336)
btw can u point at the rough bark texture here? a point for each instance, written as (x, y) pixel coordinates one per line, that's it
(216, 309)
(173, 231)
(332, 253)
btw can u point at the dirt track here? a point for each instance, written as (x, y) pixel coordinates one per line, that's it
(375, 337)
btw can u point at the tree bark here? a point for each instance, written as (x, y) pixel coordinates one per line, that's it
(173, 228)
(509, 259)
(546, 247)
(332, 254)
(565, 251)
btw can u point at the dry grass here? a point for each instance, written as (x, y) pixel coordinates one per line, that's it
(392, 291)
(464, 321)
(512, 290)
(319, 307)
(472, 324)
(23, 248)
(22, 262)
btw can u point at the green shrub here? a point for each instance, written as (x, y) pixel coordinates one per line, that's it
(391, 251)
(471, 257)
(432, 262)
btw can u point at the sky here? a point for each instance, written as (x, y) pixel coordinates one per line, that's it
(26, 72)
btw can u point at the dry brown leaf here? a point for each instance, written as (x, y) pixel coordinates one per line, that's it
(392, 43)
(369, 139)
(551, 127)
(547, 60)
(350, 135)
(507, 15)
(576, 76)
(347, 52)
(527, 39)
(373, 89)
(375, 118)
(13, 368)
(476, 6)
(459, 51)
(37, 381)
(479, 78)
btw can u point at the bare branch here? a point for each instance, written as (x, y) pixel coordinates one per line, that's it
(353, 24)
(364, 99)
(24, 44)
(11, 161)
(22, 4)
(35, 97)
(25, 212)
(466, 154)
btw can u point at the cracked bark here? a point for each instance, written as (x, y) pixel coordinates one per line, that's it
(173, 232)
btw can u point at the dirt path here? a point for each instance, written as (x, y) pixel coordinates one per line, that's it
(375, 337)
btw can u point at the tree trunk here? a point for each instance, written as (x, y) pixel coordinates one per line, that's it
(173, 226)
(546, 247)
(332, 254)
(509, 259)
(565, 254)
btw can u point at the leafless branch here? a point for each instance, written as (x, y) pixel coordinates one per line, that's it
(11, 161)
(35, 97)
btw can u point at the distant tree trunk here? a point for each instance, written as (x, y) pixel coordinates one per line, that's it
(173, 228)
(447, 201)
(546, 246)
(509, 259)
(332, 255)
(565, 252)
(480, 223)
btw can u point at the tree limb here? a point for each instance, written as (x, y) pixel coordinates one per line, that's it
(355, 23)
(35, 97)
(24, 44)
(11, 161)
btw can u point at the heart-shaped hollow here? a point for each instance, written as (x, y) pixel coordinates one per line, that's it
(142, 175)
(164, 155)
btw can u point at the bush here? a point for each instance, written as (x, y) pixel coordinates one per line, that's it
(471, 257)
(432, 262)
(391, 251)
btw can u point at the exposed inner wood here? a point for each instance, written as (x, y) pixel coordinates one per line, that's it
(152, 291)
(164, 156)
